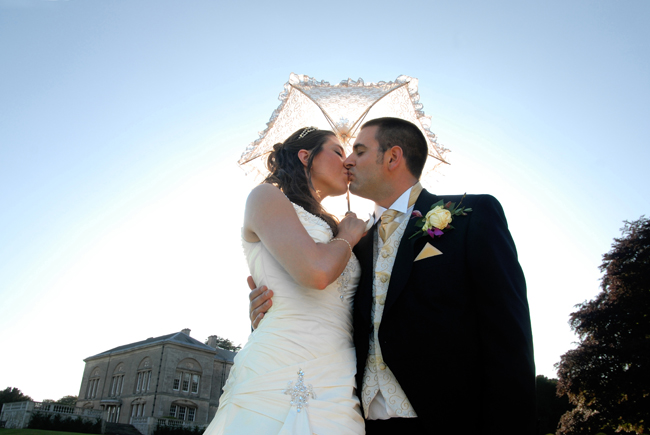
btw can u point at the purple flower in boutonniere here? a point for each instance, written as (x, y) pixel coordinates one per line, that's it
(438, 220)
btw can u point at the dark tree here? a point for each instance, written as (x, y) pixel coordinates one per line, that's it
(550, 407)
(224, 343)
(607, 377)
(67, 400)
(10, 394)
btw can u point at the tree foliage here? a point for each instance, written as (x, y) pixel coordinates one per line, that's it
(226, 344)
(550, 407)
(10, 394)
(68, 400)
(607, 377)
(65, 400)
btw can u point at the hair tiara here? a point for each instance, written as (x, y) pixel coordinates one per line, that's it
(306, 131)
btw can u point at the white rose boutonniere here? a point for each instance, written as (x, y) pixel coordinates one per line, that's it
(438, 219)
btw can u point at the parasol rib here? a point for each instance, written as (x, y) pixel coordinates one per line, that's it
(358, 122)
(345, 107)
(327, 116)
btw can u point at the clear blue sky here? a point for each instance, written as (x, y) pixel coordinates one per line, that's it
(121, 122)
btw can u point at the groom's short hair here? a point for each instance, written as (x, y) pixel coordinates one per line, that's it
(406, 135)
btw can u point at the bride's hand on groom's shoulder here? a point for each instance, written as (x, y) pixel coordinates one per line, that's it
(351, 228)
(259, 302)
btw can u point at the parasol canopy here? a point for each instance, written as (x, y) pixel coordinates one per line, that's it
(342, 108)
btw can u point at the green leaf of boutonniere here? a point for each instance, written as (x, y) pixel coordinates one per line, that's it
(438, 220)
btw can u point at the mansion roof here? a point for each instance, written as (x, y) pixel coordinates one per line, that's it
(179, 338)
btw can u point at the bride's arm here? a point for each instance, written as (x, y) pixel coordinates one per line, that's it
(271, 218)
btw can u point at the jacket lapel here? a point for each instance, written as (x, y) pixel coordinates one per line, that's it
(406, 253)
(364, 252)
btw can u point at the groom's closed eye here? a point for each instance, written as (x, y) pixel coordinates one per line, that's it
(359, 149)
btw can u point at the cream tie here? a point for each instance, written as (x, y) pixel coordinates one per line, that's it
(388, 224)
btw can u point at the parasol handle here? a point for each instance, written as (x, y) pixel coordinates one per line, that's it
(348, 197)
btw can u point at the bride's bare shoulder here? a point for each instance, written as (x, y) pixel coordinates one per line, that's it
(267, 206)
(266, 195)
(266, 190)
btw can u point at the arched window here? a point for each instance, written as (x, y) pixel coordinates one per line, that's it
(93, 384)
(117, 383)
(138, 408)
(188, 377)
(143, 381)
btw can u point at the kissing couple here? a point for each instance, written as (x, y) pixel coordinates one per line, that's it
(413, 326)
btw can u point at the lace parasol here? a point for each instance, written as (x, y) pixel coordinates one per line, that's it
(341, 108)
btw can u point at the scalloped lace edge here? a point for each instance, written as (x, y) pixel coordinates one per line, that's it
(302, 79)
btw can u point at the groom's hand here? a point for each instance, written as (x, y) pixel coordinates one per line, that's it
(260, 302)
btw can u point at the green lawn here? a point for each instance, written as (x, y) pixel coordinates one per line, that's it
(34, 432)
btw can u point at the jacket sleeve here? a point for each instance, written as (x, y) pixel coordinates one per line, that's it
(506, 345)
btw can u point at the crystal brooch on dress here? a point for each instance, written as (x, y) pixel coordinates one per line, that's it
(300, 392)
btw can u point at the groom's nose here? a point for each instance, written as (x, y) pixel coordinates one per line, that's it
(348, 163)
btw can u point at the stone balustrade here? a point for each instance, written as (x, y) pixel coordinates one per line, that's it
(18, 414)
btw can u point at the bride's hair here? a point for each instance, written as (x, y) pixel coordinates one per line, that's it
(288, 173)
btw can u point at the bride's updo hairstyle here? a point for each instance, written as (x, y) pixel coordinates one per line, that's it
(288, 173)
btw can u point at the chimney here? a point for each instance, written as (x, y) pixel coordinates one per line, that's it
(186, 331)
(212, 341)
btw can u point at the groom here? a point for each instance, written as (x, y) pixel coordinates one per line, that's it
(441, 322)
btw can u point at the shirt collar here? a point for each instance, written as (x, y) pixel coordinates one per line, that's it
(401, 204)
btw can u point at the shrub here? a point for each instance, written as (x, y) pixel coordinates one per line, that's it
(44, 421)
(163, 429)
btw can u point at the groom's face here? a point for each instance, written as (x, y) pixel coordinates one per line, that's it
(365, 165)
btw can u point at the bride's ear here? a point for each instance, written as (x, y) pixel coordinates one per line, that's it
(303, 155)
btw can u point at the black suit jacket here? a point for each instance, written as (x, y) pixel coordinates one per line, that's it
(456, 327)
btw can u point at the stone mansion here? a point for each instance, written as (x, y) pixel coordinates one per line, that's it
(172, 375)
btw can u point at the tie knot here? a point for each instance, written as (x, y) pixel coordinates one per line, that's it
(388, 216)
(387, 225)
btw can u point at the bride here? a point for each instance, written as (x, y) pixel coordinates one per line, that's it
(295, 375)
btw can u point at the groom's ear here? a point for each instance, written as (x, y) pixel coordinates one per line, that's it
(394, 157)
(303, 155)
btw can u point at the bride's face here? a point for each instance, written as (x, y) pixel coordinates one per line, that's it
(328, 175)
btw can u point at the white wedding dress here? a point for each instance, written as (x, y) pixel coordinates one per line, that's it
(301, 352)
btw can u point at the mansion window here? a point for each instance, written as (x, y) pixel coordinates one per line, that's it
(195, 384)
(144, 381)
(91, 391)
(116, 385)
(138, 410)
(112, 413)
(182, 412)
(186, 382)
